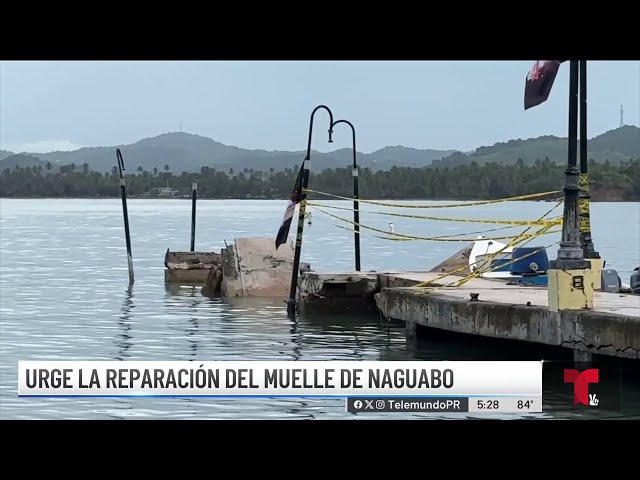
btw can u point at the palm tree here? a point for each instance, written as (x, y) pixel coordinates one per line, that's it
(139, 169)
(155, 170)
(166, 167)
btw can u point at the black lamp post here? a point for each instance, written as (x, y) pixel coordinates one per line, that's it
(586, 239)
(570, 255)
(123, 194)
(291, 303)
(356, 197)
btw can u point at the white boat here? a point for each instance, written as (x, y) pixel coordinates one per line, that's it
(479, 258)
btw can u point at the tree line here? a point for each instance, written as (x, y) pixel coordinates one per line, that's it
(472, 181)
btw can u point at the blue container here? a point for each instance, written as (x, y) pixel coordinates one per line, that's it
(499, 265)
(534, 263)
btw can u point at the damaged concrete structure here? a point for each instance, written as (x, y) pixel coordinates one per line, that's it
(248, 267)
(252, 267)
(337, 292)
(189, 267)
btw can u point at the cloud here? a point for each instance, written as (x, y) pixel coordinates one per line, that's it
(43, 146)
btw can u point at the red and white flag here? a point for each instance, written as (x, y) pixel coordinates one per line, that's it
(539, 82)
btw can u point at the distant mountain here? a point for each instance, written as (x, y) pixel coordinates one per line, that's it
(615, 145)
(4, 154)
(188, 152)
(21, 160)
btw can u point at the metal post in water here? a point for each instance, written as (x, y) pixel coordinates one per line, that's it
(570, 255)
(586, 239)
(194, 195)
(123, 194)
(291, 303)
(356, 196)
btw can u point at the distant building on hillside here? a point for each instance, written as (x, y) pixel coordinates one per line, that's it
(167, 192)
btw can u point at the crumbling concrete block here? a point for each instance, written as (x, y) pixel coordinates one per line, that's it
(337, 292)
(213, 284)
(252, 267)
(189, 267)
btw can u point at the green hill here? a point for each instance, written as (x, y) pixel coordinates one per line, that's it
(188, 152)
(21, 160)
(616, 146)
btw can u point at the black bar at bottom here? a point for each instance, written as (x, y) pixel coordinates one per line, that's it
(404, 404)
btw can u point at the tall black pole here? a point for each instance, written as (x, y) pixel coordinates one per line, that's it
(194, 194)
(356, 196)
(570, 255)
(123, 194)
(586, 239)
(291, 303)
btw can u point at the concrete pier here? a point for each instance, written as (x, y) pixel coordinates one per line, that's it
(502, 311)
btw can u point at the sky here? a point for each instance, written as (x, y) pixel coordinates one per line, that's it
(461, 105)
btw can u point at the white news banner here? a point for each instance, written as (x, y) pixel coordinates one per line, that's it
(504, 382)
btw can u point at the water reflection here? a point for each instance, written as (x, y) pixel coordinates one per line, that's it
(192, 324)
(124, 338)
(295, 340)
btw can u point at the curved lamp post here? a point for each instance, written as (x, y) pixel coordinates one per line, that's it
(356, 212)
(291, 303)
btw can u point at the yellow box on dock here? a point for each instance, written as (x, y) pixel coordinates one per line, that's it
(596, 270)
(570, 289)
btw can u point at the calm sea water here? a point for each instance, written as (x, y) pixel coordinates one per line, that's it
(64, 296)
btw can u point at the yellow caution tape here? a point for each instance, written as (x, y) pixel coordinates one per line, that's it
(455, 205)
(458, 283)
(514, 242)
(429, 284)
(522, 238)
(542, 231)
(479, 272)
(555, 221)
(480, 232)
(449, 238)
